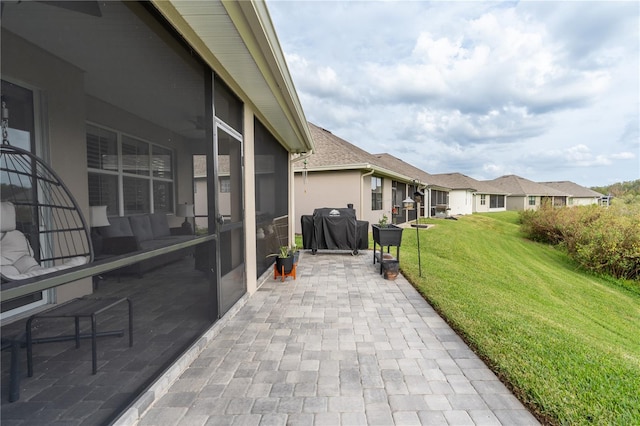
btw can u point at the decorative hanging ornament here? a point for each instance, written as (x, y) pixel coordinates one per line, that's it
(304, 176)
(5, 123)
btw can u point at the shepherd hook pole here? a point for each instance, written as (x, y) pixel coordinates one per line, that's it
(418, 239)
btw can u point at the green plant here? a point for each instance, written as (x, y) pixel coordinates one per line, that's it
(283, 253)
(384, 221)
(601, 240)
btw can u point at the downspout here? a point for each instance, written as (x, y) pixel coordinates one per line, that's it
(369, 173)
(292, 197)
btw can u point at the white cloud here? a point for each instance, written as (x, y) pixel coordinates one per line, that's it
(623, 156)
(542, 88)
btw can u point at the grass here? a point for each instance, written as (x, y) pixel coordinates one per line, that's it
(566, 342)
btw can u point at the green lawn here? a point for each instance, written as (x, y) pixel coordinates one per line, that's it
(567, 343)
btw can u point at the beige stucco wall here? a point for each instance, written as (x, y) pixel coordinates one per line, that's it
(338, 189)
(521, 203)
(327, 189)
(62, 108)
(249, 200)
(373, 216)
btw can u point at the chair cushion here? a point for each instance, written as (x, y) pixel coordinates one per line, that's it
(16, 255)
(141, 227)
(159, 225)
(7, 216)
(12, 273)
(120, 227)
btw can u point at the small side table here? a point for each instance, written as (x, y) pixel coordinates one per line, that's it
(14, 344)
(84, 307)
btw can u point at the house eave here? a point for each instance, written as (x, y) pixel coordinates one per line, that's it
(365, 167)
(238, 41)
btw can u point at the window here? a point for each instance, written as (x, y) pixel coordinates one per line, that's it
(127, 174)
(532, 200)
(225, 184)
(376, 193)
(483, 199)
(496, 201)
(439, 197)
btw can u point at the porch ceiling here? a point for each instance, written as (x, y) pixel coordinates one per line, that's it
(238, 40)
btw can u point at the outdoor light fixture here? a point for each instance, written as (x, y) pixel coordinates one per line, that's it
(185, 210)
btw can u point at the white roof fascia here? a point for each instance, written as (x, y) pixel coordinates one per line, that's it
(357, 166)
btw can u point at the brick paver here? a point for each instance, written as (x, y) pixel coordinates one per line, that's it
(339, 345)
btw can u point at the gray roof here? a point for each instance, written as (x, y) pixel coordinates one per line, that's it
(461, 181)
(516, 185)
(573, 189)
(400, 166)
(332, 152)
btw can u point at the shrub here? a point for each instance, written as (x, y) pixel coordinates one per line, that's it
(602, 240)
(541, 225)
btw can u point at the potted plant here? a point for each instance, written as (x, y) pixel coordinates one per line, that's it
(284, 259)
(386, 234)
(296, 253)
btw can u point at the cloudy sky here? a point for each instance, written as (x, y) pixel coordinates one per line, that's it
(545, 90)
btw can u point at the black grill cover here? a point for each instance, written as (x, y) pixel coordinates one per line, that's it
(334, 229)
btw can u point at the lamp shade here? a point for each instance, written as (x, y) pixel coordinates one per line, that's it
(98, 216)
(185, 210)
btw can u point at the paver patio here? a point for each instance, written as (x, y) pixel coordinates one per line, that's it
(339, 345)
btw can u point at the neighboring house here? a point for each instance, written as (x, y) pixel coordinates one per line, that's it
(137, 105)
(577, 195)
(339, 173)
(468, 195)
(524, 194)
(435, 195)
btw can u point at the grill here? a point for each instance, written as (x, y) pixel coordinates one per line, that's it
(334, 229)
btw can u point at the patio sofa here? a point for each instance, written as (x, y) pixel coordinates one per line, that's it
(127, 234)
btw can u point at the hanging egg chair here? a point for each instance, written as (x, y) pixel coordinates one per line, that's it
(42, 227)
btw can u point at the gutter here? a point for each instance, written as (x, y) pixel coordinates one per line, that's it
(369, 173)
(360, 166)
(301, 157)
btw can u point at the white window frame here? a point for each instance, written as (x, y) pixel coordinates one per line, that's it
(374, 190)
(121, 174)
